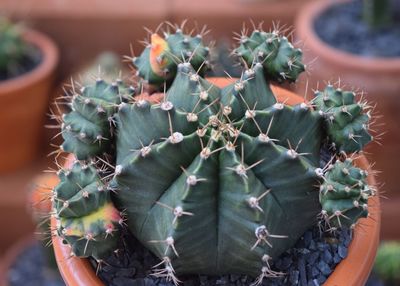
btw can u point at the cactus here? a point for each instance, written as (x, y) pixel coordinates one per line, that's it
(344, 194)
(281, 61)
(87, 219)
(212, 180)
(346, 121)
(88, 129)
(159, 60)
(12, 48)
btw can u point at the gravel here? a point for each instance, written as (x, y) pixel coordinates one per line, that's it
(30, 269)
(342, 27)
(308, 263)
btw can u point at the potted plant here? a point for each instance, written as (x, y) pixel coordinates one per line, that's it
(387, 264)
(214, 176)
(27, 63)
(356, 42)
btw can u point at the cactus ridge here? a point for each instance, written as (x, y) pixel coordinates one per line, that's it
(346, 122)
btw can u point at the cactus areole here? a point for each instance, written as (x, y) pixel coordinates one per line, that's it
(212, 180)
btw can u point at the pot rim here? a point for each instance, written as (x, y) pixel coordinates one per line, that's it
(304, 24)
(353, 270)
(47, 65)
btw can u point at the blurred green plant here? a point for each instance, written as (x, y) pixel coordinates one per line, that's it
(12, 48)
(377, 13)
(387, 263)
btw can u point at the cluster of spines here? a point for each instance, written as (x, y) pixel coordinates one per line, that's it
(157, 65)
(344, 195)
(86, 218)
(281, 61)
(88, 128)
(347, 121)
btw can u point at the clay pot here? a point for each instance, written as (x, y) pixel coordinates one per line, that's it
(224, 16)
(82, 29)
(23, 104)
(11, 256)
(352, 271)
(379, 78)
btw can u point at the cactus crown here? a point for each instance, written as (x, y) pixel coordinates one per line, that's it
(12, 48)
(212, 180)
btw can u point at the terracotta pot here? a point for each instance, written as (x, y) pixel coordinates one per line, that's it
(11, 256)
(352, 271)
(379, 78)
(23, 104)
(224, 16)
(83, 29)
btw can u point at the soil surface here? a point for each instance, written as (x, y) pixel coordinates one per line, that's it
(308, 263)
(342, 27)
(30, 269)
(31, 59)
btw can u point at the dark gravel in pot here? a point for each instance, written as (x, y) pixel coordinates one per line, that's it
(308, 263)
(342, 27)
(30, 269)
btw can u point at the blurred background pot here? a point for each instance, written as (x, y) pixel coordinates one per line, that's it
(23, 104)
(379, 78)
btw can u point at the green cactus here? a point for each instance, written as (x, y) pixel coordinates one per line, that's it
(387, 263)
(347, 124)
(86, 218)
(88, 129)
(211, 180)
(344, 194)
(12, 48)
(281, 61)
(158, 62)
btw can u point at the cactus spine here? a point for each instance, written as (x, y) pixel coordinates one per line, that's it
(212, 180)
